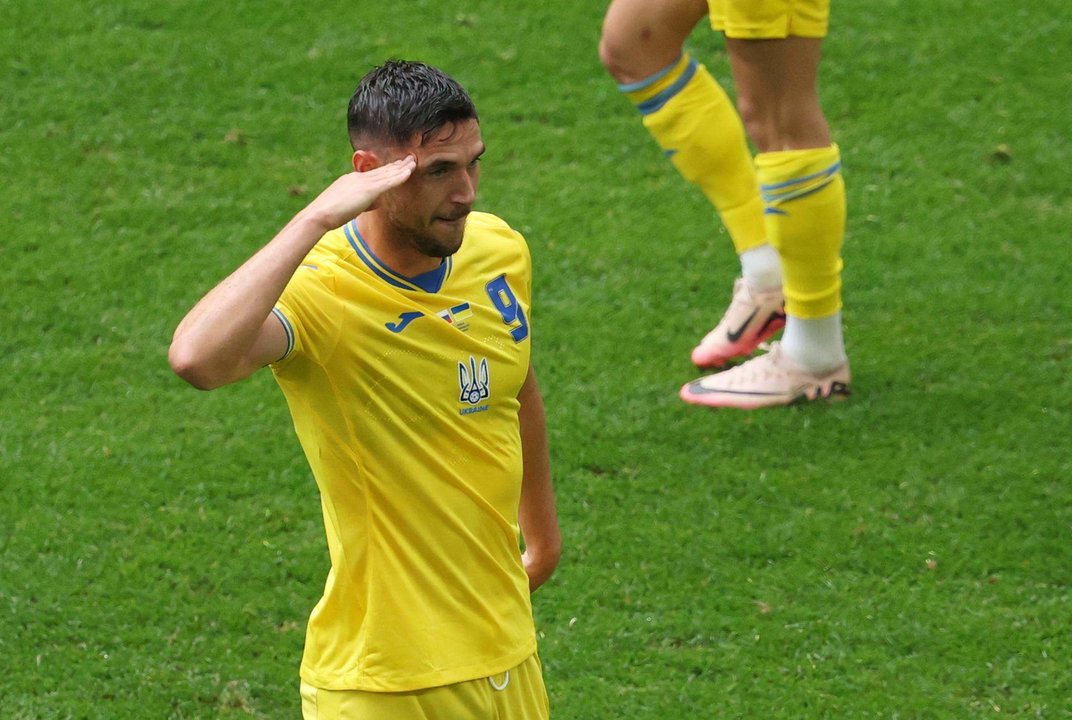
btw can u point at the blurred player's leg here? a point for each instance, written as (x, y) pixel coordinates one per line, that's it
(799, 169)
(696, 124)
(805, 197)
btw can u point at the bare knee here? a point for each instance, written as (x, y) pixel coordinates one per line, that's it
(614, 59)
(641, 37)
(628, 60)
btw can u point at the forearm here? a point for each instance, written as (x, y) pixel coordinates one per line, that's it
(537, 514)
(212, 345)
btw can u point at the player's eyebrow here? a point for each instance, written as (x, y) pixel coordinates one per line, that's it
(445, 163)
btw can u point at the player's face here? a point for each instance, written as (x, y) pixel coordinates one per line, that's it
(428, 211)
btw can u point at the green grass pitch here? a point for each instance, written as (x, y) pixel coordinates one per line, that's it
(907, 554)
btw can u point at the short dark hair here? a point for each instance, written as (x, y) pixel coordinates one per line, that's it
(402, 98)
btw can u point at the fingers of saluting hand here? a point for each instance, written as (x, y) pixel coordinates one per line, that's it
(390, 175)
(372, 183)
(368, 185)
(356, 192)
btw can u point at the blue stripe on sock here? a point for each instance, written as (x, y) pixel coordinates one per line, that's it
(830, 171)
(650, 80)
(772, 198)
(654, 104)
(796, 188)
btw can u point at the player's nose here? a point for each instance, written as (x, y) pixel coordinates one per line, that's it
(465, 191)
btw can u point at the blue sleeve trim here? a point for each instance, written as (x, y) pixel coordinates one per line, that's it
(288, 329)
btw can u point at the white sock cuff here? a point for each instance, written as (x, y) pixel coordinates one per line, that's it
(761, 267)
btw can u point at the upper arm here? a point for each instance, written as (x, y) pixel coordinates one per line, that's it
(529, 394)
(533, 425)
(206, 371)
(272, 343)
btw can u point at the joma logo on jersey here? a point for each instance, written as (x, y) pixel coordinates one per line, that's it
(474, 382)
(403, 320)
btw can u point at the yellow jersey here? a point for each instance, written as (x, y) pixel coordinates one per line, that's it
(403, 393)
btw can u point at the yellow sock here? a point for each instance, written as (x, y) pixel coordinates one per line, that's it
(695, 123)
(804, 197)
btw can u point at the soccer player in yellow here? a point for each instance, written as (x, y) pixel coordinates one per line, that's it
(784, 210)
(397, 323)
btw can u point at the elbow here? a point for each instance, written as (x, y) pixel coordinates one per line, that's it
(549, 551)
(190, 367)
(555, 553)
(550, 563)
(540, 562)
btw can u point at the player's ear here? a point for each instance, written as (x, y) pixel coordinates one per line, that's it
(365, 160)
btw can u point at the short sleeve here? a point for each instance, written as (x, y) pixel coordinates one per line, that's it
(306, 311)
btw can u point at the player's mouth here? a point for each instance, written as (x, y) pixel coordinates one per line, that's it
(453, 218)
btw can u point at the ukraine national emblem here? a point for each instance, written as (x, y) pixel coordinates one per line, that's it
(474, 381)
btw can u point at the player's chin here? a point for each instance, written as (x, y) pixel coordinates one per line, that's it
(450, 232)
(441, 244)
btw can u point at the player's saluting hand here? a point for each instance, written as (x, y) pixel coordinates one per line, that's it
(355, 192)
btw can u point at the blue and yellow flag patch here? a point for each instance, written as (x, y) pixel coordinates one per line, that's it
(457, 315)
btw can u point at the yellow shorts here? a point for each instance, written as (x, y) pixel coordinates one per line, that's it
(770, 19)
(517, 694)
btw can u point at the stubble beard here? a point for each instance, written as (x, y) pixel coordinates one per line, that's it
(431, 246)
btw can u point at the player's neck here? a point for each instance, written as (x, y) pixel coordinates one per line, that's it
(403, 259)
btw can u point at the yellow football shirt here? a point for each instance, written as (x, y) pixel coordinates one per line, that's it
(403, 393)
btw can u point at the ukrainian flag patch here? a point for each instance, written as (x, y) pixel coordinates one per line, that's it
(457, 315)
